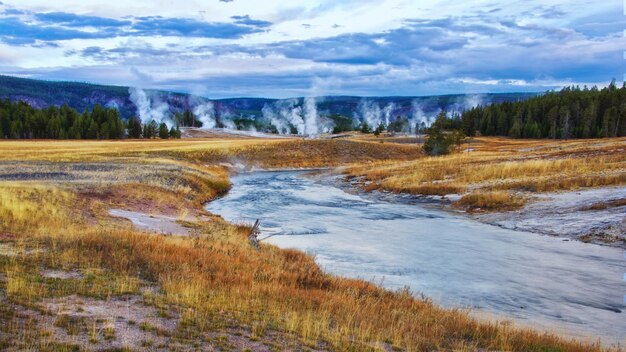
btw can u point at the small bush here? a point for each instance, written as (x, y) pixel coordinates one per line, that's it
(440, 142)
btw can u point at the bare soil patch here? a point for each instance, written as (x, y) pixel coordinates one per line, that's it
(117, 323)
(153, 222)
(61, 274)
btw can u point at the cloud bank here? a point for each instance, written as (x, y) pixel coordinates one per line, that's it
(348, 47)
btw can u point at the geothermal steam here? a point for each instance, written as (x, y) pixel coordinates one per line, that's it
(299, 116)
(150, 107)
(370, 112)
(466, 103)
(418, 117)
(304, 118)
(205, 113)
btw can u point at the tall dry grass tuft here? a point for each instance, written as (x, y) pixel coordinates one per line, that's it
(492, 200)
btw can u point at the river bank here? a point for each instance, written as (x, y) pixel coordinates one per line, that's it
(596, 215)
(446, 256)
(68, 264)
(533, 185)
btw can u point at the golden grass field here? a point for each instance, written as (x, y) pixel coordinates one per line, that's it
(498, 173)
(74, 278)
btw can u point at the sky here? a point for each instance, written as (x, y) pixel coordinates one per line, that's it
(279, 49)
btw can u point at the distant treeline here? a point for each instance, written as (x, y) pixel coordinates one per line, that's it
(187, 118)
(18, 120)
(570, 113)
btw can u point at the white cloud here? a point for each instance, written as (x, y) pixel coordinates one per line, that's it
(351, 46)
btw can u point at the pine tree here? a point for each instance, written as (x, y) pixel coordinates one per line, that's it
(104, 131)
(570, 113)
(564, 116)
(516, 129)
(175, 132)
(134, 127)
(552, 118)
(15, 130)
(609, 123)
(163, 131)
(587, 121)
(150, 130)
(365, 128)
(621, 124)
(380, 129)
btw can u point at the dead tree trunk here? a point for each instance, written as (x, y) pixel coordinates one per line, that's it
(254, 233)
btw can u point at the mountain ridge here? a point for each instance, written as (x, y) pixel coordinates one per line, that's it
(84, 95)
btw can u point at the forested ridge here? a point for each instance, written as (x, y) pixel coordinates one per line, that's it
(572, 112)
(18, 120)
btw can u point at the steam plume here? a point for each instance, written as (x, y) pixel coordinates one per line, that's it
(304, 118)
(150, 107)
(418, 116)
(206, 114)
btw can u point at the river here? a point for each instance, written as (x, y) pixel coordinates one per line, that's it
(567, 287)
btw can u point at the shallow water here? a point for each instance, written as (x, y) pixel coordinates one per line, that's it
(569, 287)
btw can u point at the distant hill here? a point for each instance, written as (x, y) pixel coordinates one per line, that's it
(81, 96)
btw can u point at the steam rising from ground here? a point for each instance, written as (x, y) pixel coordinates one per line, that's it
(370, 112)
(418, 116)
(150, 107)
(278, 121)
(302, 117)
(466, 103)
(387, 111)
(205, 113)
(311, 118)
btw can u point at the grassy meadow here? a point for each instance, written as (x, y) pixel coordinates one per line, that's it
(74, 278)
(501, 174)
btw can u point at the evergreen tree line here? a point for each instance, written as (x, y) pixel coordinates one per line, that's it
(570, 113)
(187, 119)
(18, 120)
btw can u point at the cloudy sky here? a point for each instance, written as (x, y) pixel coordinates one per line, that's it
(277, 48)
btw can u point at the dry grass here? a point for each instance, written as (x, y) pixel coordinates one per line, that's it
(217, 280)
(211, 283)
(494, 200)
(502, 164)
(267, 153)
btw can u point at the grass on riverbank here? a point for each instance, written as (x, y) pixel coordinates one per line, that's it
(493, 165)
(207, 291)
(493, 200)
